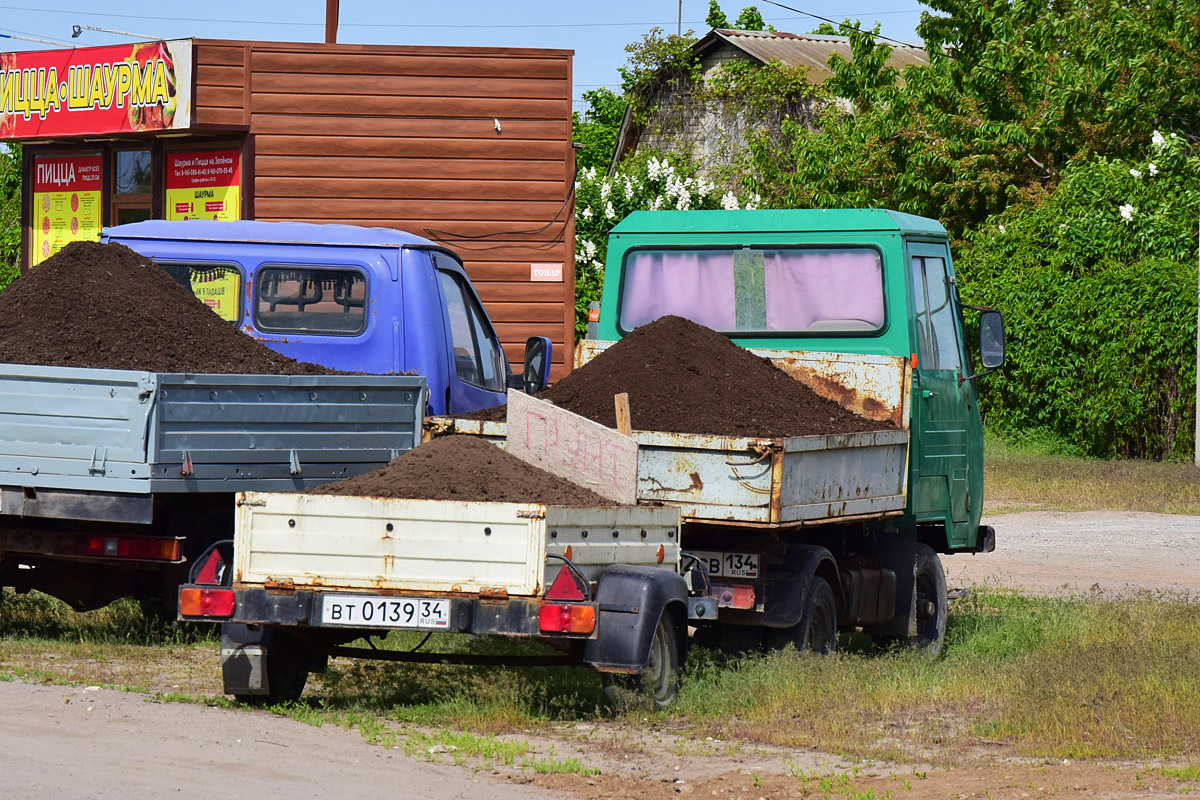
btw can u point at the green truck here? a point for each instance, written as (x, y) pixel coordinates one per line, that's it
(863, 306)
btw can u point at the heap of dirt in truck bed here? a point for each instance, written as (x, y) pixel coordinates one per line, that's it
(104, 306)
(685, 378)
(464, 468)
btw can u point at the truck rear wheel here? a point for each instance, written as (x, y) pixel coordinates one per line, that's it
(931, 602)
(657, 684)
(817, 630)
(931, 606)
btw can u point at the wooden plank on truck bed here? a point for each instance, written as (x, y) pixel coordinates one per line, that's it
(572, 447)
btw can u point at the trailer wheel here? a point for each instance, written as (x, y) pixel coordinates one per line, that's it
(657, 685)
(817, 630)
(289, 661)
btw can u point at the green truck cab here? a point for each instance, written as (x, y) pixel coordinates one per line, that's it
(867, 282)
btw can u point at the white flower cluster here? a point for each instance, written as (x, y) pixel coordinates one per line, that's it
(1127, 212)
(585, 253)
(729, 201)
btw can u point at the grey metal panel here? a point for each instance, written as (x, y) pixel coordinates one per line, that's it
(76, 505)
(826, 477)
(783, 481)
(128, 431)
(69, 420)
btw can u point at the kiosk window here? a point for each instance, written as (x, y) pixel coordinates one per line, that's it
(218, 286)
(132, 180)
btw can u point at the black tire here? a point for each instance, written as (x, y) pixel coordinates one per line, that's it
(289, 660)
(657, 685)
(931, 606)
(931, 602)
(817, 631)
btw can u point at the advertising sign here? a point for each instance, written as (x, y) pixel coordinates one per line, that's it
(66, 202)
(204, 184)
(96, 90)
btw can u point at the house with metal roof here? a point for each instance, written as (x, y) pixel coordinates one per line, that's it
(714, 134)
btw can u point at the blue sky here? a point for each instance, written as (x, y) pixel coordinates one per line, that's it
(597, 32)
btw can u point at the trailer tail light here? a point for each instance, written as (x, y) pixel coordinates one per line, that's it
(139, 547)
(736, 596)
(555, 618)
(194, 602)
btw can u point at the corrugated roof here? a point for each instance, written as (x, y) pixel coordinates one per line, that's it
(795, 49)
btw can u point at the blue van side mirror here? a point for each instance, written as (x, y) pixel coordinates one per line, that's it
(536, 373)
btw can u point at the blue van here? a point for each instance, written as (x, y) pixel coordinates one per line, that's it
(369, 300)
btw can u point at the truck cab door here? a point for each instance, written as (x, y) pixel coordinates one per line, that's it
(942, 430)
(478, 369)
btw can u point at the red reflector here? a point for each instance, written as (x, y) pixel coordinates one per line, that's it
(554, 618)
(738, 596)
(564, 587)
(212, 565)
(194, 602)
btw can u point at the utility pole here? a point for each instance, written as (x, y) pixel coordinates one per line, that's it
(679, 32)
(331, 21)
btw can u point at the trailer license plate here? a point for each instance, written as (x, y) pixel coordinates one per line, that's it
(385, 612)
(729, 565)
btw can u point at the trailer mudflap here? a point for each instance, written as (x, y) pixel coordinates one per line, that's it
(631, 601)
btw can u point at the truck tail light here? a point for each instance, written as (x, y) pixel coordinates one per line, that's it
(736, 596)
(195, 602)
(143, 548)
(556, 618)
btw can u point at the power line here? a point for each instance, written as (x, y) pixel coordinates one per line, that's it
(389, 24)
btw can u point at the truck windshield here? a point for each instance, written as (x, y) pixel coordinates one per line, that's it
(218, 286)
(756, 290)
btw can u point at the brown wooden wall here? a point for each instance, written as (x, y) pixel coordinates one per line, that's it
(405, 137)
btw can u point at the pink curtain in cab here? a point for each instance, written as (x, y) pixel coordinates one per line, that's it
(807, 286)
(697, 285)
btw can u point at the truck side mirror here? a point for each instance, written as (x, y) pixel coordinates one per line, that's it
(537, 364)
(991, 339)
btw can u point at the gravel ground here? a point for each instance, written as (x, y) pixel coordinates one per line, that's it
(1115, 552)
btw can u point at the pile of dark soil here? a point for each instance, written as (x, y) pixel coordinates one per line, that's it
(104, 306)
(685, 378)
(464, 468)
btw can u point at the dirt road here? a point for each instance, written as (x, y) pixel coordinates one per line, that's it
(75, 742)
(61, 741)
(1116, 551)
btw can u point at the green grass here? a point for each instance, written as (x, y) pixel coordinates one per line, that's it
(1076, 677)
(1037, 475)
(35, 616)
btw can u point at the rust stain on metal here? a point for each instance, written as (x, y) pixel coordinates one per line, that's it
(389, 563)
(496, 593)
(697, 484)
(279, 584)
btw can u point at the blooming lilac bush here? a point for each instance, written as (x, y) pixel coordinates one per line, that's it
(1098, 282)
(644, 183)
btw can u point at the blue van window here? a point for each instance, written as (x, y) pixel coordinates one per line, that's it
(311, 300)
(478, 359)
(218, 286)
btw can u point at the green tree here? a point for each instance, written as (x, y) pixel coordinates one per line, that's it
(716, 17)
(10, 213)
(597, 127)
(750, 20)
